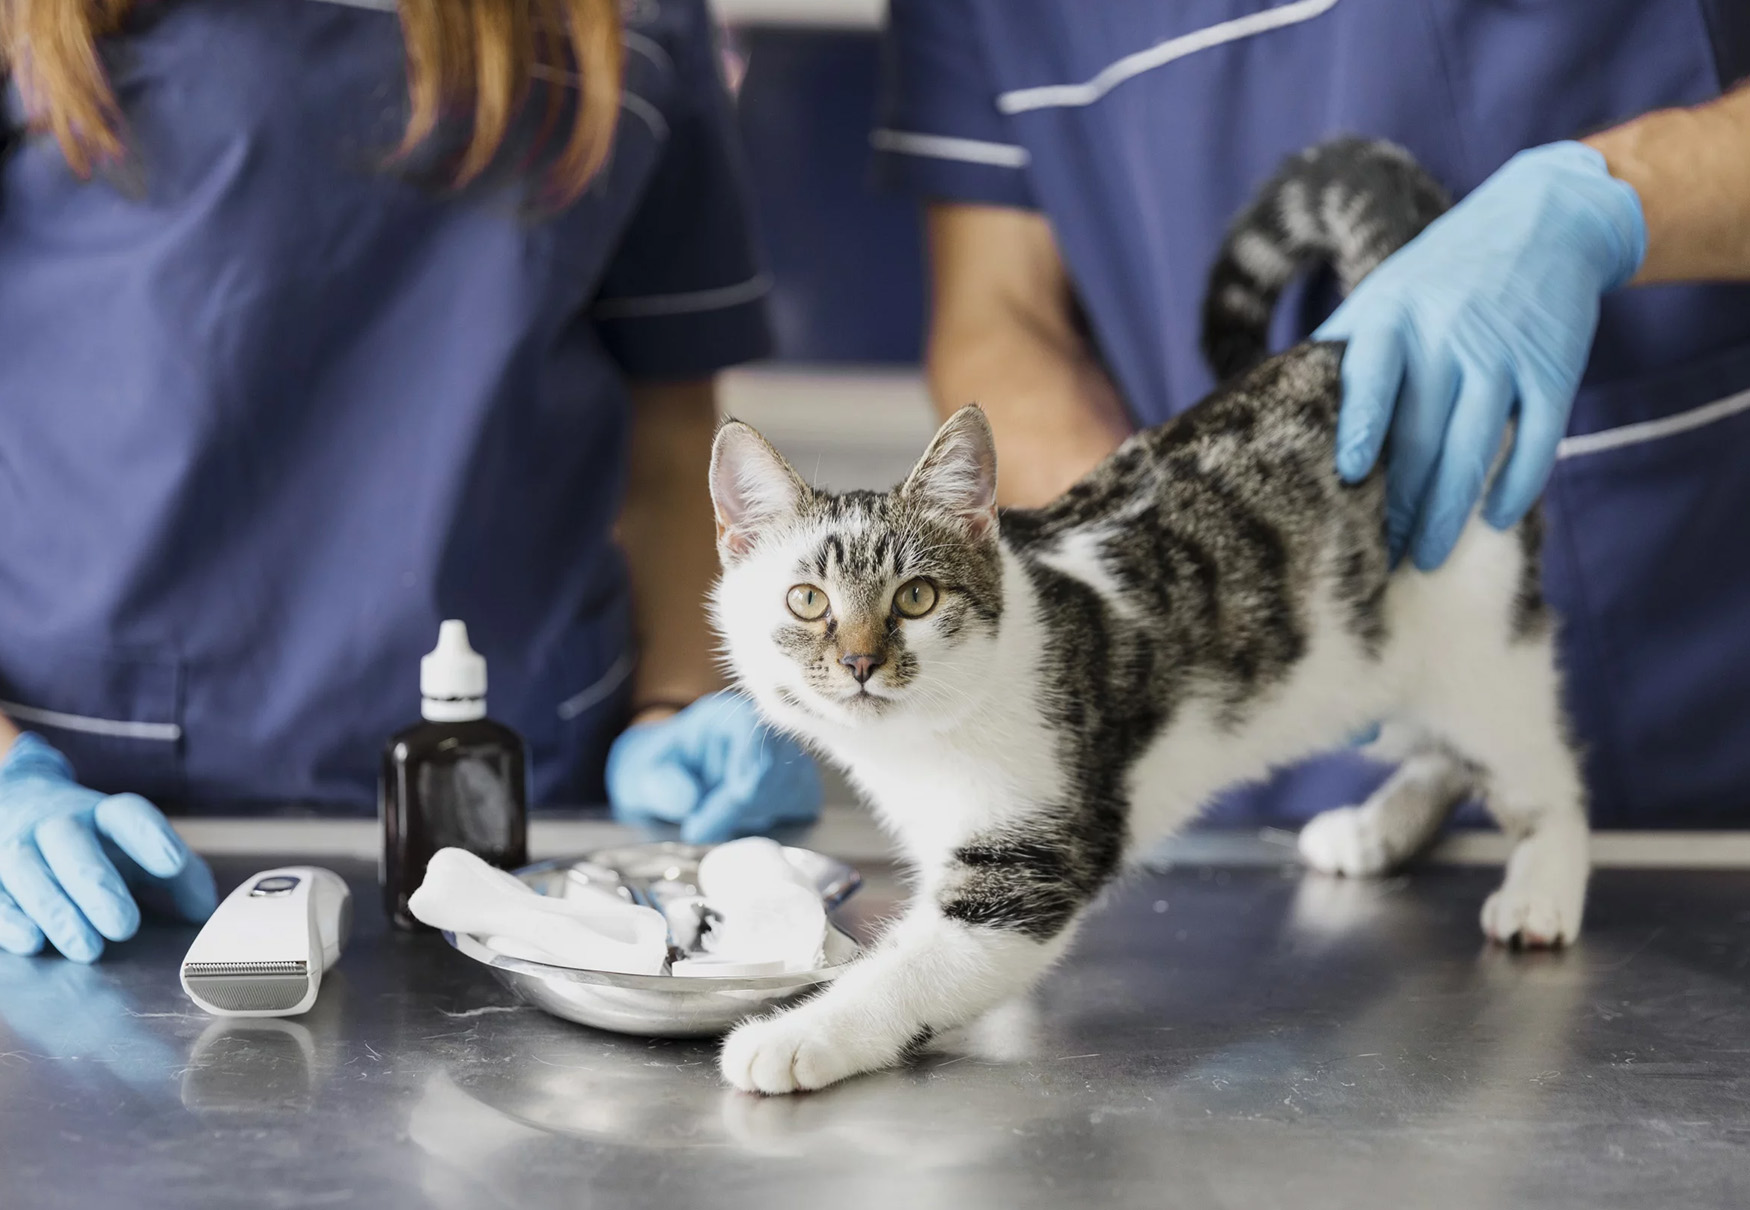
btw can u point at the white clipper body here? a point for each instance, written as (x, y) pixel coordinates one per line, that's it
(264, 951)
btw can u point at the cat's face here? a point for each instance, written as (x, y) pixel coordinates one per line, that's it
(862, 606)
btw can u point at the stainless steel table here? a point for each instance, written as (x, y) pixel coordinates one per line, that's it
(1222, 1037)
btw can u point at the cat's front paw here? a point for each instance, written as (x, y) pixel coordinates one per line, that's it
(798, 1050)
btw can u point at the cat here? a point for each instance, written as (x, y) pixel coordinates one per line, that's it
(1031, 698)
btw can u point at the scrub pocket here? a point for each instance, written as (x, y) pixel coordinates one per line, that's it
(1647, 566)
(116, 716)
(573, 706)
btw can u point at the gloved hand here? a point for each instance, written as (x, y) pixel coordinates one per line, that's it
(715, 769)
(69, 855)
(1489, 311)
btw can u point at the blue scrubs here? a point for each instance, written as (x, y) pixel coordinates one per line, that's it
(1140, 128)
(272, 410)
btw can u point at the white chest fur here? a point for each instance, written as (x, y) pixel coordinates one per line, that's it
(937, 782)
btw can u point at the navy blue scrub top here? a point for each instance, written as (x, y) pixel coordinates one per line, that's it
(1140, 128)
(269, 411)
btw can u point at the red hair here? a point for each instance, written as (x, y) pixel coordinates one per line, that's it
(462, 55)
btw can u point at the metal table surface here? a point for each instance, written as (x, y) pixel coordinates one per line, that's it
(1221, 1037)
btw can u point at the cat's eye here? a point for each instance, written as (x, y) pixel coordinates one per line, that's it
(914, 599)
(807, 602)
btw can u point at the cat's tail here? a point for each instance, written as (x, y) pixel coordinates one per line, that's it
(1349, 202)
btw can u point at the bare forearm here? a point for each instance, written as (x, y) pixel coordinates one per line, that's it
(1691, 168)
(667, 531)
(1055, 412)
(1003, 336)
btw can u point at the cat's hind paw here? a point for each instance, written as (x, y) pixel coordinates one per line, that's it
(1543, 896)
(802, 1049)
(1531, 921)
(1345, 841)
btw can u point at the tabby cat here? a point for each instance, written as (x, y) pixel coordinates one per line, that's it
(1031, 698)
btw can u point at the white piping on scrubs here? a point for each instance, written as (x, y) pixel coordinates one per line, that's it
(652, 117)
(599, 690)
(942, 147)
(648, 47)
(1059, 96)
(719, 298)
(1652, 430)
(164, 733)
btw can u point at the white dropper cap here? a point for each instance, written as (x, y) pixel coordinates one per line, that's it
(452, 679)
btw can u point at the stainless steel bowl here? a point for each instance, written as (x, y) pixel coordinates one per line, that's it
(661, 1006)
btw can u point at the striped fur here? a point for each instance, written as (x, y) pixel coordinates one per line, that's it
(1349, 203)
(1210, 603)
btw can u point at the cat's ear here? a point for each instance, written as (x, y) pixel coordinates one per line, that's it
(958, 473)
(751, 487)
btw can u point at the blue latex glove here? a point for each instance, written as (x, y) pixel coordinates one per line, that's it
(68, 857)
(1487, 314)
(715, 769)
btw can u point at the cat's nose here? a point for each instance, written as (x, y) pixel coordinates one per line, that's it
(862, 666)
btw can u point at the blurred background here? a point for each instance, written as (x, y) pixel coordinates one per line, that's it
(844, 397)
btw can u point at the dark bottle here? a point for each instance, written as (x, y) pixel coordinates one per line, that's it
(456, 779)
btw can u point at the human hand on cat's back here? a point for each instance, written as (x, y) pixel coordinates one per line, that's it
(715, 769)
(71, 858)
(1486, 317)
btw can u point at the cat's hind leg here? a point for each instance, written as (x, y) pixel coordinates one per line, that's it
(1395, 823)
(1494, 693)
(1535, 793)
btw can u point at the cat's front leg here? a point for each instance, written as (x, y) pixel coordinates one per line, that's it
(931, 972)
